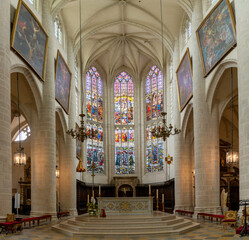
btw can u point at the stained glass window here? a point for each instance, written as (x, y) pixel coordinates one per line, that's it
(154, 93)
(124, 124)
(23, 135)
(187, 30)
(58, 29)
(94, 114)
(154, 107)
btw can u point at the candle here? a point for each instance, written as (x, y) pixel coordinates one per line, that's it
(163, 197)
(149, 190)
(99, 190)
(87, 198)
(157, 193)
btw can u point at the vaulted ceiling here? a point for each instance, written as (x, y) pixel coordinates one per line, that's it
(122, 33)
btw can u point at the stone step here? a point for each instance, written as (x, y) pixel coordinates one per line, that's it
(113, 218)
(162, 223)
(123, 227)
(158, 223)
(160, 232)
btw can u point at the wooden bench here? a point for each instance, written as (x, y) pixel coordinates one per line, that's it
(36, 219)
(62, 214)
(183, 212)
(211, 217)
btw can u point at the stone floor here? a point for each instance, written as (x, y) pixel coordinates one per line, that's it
(206, 231)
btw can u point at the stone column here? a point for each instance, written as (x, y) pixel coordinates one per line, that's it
(182, 161)
(242, 21)
(206, 133)
(67, 159)
(5, 112)
(43, 144)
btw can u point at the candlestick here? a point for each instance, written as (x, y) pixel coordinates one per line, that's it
(87, 198)
(163, 202)
(99, 190)
(149, 190)
(157, 193)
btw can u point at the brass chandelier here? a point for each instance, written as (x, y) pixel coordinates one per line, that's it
(80, 134)
(163, 131)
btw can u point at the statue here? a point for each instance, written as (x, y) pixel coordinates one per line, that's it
(223, 198)
(223, 201)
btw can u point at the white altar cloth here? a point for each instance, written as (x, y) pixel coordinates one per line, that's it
(126, 205)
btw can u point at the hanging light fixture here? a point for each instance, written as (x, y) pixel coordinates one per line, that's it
(81, 133)
(57, 172)
(163, 131)
(20, 157)
(232, 156)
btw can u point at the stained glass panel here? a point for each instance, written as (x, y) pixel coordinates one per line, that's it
(94, 113)
(95, 148)
(154, 107)
(124, 116)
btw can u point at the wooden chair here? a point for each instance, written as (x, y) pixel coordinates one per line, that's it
(230, 219)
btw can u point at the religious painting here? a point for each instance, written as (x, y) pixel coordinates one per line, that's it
(78, 144)
(184, 81)
(29, 40)
(62, 82)
(216, 35)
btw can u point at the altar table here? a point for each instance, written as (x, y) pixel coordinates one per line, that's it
(126, 205)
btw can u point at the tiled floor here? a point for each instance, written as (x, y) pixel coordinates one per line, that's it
(206, 231)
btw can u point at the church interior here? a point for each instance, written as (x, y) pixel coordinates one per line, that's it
(124, 118)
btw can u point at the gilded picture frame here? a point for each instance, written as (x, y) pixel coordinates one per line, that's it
(184, 76)
(63, 77)
(29, 40)
(216, 35)
(78, 143)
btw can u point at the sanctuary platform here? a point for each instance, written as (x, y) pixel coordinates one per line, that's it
(157, 223)
(126, 206)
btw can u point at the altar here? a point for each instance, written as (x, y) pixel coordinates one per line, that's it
(126, 206)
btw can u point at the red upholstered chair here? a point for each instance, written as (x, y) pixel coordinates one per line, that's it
(230, 219)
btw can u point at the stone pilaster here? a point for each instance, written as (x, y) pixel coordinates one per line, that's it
(5, 114)
(242, 21)
(182, 161)
(67, 159)
(206, 133)
(43, 144)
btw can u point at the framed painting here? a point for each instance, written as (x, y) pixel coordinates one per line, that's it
(184, 81)
(78, 144)
(63, 77)
(216, 35)
(29, 40)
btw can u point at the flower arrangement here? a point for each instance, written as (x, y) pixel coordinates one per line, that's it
(92, 207)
